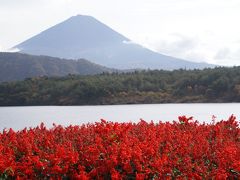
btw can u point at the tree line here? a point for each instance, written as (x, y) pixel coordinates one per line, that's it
(221, 84)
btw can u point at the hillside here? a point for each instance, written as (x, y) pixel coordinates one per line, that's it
(179, 86)
(17, 66)
(86, 37)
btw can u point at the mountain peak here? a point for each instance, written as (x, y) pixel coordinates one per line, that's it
(81, 16)
(83, 36)
(77, 33)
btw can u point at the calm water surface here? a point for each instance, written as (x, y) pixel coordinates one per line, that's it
(21, 117)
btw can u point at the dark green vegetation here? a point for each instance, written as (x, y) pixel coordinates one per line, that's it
(16, 66)
(209, 85)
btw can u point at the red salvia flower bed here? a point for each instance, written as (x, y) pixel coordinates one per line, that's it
(109, 150)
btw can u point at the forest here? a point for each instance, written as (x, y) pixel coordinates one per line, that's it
(221, 84)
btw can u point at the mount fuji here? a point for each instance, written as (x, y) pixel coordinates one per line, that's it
(85, 37)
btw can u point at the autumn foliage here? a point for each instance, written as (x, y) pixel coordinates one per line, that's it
(107, 150)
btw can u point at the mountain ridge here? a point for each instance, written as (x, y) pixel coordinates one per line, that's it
(85, 37)
(18, 66)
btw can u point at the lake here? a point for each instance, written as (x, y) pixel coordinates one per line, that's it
(31, 116)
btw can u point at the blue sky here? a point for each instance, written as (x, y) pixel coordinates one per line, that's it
(196, 30)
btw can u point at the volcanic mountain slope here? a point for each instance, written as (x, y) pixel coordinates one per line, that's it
(17, 66)
(86, 37)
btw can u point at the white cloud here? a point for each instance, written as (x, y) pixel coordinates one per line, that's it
(2, 49)
(179, 45)
(206, 47)
(128, 42)
(226, 56)
(13, 50)
(223, 53)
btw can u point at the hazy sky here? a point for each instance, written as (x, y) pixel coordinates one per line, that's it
(196, 30)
